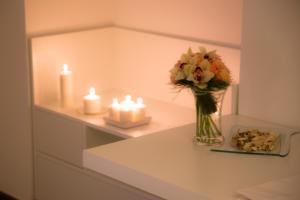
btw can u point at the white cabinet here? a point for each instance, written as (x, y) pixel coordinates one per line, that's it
(65, 138)
(59, 137)
(56, 180)
(59, 175)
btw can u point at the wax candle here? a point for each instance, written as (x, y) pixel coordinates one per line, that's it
(66, 87)
(126, 113)
(127, 110)
(128, 101)
(92, 102)
(114, 110)
(140, 110)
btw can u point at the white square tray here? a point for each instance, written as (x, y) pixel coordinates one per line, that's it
(127, 125)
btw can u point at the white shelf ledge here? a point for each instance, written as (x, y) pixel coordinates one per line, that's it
(164, 116)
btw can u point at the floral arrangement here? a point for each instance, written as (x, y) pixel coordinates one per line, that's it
(201, 71)
(204, 73)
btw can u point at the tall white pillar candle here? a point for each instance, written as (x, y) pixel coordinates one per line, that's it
(66, 87)
(92, 102)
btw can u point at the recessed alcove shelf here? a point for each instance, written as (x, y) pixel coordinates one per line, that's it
(161, 112)
(134, 62)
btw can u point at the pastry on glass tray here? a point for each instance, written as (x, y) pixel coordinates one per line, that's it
(254, 140)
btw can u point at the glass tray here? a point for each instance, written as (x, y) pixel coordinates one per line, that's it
(282, 145)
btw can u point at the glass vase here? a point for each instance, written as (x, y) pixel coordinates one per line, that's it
(208, 117)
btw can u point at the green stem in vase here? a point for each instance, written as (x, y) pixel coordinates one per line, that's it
(207, 130)
(209, 133)
(215, 126)
(211, 129)
(206, 102)
(202, 125)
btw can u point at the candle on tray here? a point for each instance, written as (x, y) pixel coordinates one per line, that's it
(92, 102)
(128, 101)
(114, 110)
(127, 110)
(66, 87)
(140, 110)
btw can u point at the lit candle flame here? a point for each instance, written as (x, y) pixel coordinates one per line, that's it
(128, 98)
(92, 91)
(115, 101)
(127, 109)
(65, 68)
(139, 100)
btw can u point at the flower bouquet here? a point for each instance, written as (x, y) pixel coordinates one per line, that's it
(208, 78)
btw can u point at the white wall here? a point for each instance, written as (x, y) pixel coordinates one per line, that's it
(15, 135)
(143, 62)
(88, 55)
(52, 16)
(106, 58)
(217, 21)
(210, 20)
(270, 64)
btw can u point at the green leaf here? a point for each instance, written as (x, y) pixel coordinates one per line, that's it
(206, 102)
(185, 83)
(214, 84)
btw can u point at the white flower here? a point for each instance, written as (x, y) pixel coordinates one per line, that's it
(202, 85)
(205, 65)
(185, 58)
(188, 69)
(212, 54)
(190, 52)
(188, 57)
(202, 50)
(207, 76)
(177, 73)
(180, 75)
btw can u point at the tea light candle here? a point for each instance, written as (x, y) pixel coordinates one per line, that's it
(66, 87)
(127, 110)
(126, 113)
(128, 102)
(140, 110)
(114, 110)
(92, 102)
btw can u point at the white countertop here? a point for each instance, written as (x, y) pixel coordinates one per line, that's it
(169, 165)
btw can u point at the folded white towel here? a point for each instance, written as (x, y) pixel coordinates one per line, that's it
(284, 189)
